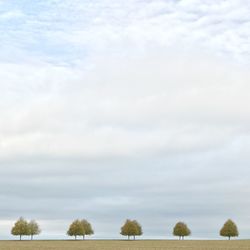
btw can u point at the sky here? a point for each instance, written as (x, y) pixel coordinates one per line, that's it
(132, 109)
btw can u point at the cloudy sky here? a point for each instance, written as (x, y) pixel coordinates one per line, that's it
(125, 109)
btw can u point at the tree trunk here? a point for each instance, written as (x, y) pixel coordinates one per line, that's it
(134, 237)
(83, 237)
(31, 236)
(229, 237)
(75, 237)
(20, 237)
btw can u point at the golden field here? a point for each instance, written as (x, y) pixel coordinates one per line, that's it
(127, 245)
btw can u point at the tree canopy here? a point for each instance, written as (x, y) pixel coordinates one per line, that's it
(87, 228)
(131, 228)
(181, 230)
(229, 229)
(20, 228)
(34, 228)
(80, 228)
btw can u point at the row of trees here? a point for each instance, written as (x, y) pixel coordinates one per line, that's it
(130, 228)
(133, 228)
(23, 227)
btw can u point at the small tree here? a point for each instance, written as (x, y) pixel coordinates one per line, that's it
(229, 229)
(34, 229)
(181, 230)
(138, 229)
(131, 228)
(20, 228)
(87, 228)
(75, 229)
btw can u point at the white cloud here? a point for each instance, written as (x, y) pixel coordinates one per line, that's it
(12, 14)
(70, 31)
(123, 105)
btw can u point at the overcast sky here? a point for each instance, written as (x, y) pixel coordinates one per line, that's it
(125, 109)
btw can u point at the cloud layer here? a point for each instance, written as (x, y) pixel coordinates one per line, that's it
(69, 31)
(126, 110)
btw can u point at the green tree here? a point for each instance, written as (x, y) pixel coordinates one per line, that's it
(75, 229)
(181, 230)
(229, 229)
(34, 228)
(87, 228)
(20, 228)
(131, 228)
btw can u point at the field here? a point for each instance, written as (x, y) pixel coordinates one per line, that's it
(126, 245)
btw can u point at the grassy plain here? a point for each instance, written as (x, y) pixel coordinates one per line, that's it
(126, 245)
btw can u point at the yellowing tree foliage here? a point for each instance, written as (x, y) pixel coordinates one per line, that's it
(229, 229)
(87, 228)
(34, 228)
(20, 228)
(80, 228)
(131, 228)
(181, 230)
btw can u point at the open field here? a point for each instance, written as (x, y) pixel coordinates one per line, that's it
(126, 245)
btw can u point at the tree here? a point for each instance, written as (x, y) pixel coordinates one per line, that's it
(75, 229)
(131, 228)
(138, 229)
(181, 230)
(229, 229)
(87, 228)
(20, 228)
(34, 228)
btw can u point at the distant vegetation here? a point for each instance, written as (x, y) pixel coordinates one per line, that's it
(131, 228)
(229, 230)
(22, 227)
(80, 228)
(181, 230)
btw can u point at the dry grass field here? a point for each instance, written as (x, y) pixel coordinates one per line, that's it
(126, 245)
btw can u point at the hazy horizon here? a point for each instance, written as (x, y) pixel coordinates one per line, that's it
(132, 109)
